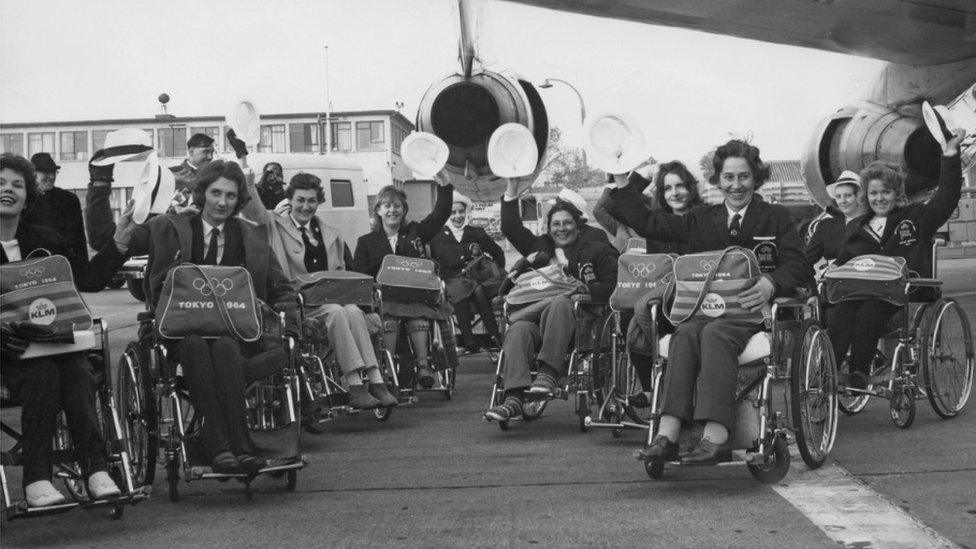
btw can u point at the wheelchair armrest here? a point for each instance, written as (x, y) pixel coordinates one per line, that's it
(145, 316)
(789, 302)
(583, 299)
(924, 282)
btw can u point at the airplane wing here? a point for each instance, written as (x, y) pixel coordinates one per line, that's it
(912, 32)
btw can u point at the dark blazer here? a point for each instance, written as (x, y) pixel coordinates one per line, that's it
(60, 210)
(910, 229)
(412, 238)
(608, 207)
(706, 228)
(452, 256)
(90, 275)
(168, 239)
(590, 261)
(827, 239)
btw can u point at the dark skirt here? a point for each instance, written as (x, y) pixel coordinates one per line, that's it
(440, 311)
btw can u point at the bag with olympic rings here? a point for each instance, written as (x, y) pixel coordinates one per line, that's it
(409, 280)
(708, 283)
(640, 274)
(208, 301)
(42, 291)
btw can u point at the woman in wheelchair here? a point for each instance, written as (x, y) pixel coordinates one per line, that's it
(454, 249)
(700, 383)
(216, 370)
(304, 243)
(545, 334)
(44, 386)
(394, 235)
(828, 234)
(890, 227)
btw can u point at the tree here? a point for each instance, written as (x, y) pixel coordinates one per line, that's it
(566, 166)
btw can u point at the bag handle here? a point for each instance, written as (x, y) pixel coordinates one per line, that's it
(35, 250)
(553, 281)
(220, 303)
(706, 286)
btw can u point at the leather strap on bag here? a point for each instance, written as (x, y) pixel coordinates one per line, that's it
(219, 302)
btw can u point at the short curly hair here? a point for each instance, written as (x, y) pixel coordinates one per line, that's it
(214, 171)
(19, 164)
(302, 181)
(891, 177)
(737, 148)
(679, 169)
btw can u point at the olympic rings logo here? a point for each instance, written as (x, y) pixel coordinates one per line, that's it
(707, 264)
(641, 270)
(32, 272)
(220, 287)
(404, 262)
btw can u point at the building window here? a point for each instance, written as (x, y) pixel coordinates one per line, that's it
(342, 193)
(40, 142)
(399, 134)
(74, 146)
(272, 138)
(172, 142)
(213, 132)
(98, 139)
(369, 136)
(12, 143)
(342, 136)
(304, 137)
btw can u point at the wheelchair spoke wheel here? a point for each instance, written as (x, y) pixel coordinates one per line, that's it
(947, 358)
(777, 463)
(813, 394)
(137, 413)
(901, 407)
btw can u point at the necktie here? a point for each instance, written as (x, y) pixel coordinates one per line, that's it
(211, 257)
(305, 240)
(734, 227)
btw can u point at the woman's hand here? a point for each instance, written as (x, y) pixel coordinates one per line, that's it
(621, 180)
(511, 187)
(443, 178)
(283, 207)
(124, 227)
(754, 298)
(952, 146)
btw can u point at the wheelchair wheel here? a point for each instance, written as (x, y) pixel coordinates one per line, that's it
(813, 394)
(947, 358)
(777, 464)
(852, 404)
(902, 407)
(137, 413)
(291, 480)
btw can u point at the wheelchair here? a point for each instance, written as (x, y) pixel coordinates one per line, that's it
(95, 344)
(580, 384)
(786, 390)
(926, 354)
(160, 425)
(323, 396)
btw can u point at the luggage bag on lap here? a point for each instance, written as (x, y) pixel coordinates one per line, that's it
(868, 277)
(42, 291)
(409, 280)
(208, 301)
(339, 287)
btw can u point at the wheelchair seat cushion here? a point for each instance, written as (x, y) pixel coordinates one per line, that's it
(758, 347)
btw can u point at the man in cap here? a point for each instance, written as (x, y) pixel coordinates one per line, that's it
(56, 208)
(199, 153)
(575, 200)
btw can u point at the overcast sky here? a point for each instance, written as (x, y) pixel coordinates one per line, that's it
(70, 60)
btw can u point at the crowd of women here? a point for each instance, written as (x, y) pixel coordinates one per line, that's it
(278, 245)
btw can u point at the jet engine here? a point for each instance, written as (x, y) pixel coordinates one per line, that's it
(856, 135)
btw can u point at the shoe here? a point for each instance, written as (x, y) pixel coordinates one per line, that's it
(381, 393)
(425, 377)
(360, 398)
(101, 486)
(251, 464)
(708, 453)
(859, 380)
(472, 348)
(512, 407)
(42, 494)
(660, 450)
(225, 463)
(544, 384)
(640, 400)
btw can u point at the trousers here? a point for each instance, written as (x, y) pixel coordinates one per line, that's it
(701, 377)
(479, 300)
(548, 328)
(857, 326)
(44, 386)
(348, 335)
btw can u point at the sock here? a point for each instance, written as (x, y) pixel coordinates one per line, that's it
(374, 375)
(670, 427)
(354, 378)
(715, 432)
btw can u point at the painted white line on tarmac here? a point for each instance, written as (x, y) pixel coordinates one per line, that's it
(852, 514)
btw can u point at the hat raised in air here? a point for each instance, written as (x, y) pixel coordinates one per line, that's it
(424, 153)
(124, 144)
(614, 143)
(512, 151)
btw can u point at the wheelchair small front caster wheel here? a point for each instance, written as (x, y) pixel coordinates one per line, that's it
(291, 480)
(654, 469)
(503, 425)
(901, 407)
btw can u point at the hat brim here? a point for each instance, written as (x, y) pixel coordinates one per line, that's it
(114, 155)
(832, 186)
(246, 122)
(424, 153)
(512, 151)
(154, 191)
(614, 143)
(935, 121)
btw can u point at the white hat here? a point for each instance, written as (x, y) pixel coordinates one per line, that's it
(512, 151)
(572, 197)
(124, 144)
(154, 191)
(614, 143)
(424, 153)
(847, 177)
(937, 120)
(458, 197)
(246, 122)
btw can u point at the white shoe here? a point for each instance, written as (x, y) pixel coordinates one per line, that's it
(42, 494)
(101, 486)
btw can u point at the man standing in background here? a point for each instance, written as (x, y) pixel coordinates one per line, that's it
(56, 208)
(199, 153)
